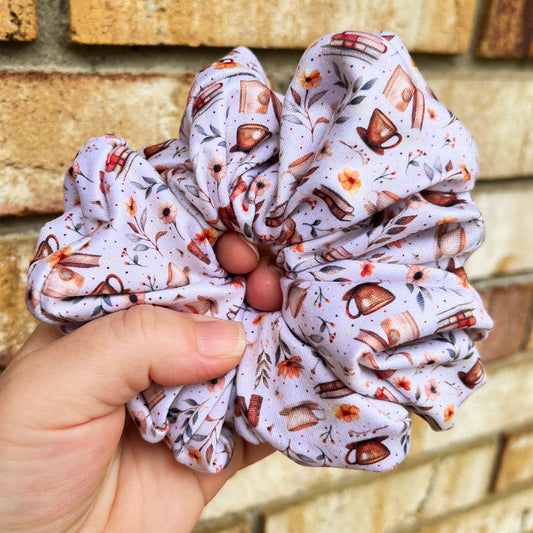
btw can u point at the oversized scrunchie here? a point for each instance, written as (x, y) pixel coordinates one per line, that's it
(358, 180)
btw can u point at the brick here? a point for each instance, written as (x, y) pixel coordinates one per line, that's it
(16, 323)
(497, 114)
(18, 21)
(386, 502)
(516, 464)
(504, 403)
(508, 246)
(510, 308)
(275, 477)
(459, 479)
(507, 29)
(427, 26)
(46, 118)
(55, 113)
(243, 527)
(513, 513)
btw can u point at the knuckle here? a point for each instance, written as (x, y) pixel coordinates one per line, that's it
(139, 321)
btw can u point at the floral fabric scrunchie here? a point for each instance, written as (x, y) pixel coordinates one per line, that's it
(358, 179)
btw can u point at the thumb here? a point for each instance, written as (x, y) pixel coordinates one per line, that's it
(99, 367)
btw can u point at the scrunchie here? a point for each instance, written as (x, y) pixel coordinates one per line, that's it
(358, 180)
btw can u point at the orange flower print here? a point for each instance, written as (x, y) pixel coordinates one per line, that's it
(349, 179)
(226, 63)
(206, 235)
(167, 211)
(432, 390)
(194, 454)
(367, 268)
(298, 248)
(58, 256)
(449, 412)
(259, 186)
(310, 80)
(418, 275)
(398, 243)
(217, 168)
(347, 412)
(446, 220)
(432, 114)
(402, 383)
(467, 176)
(290, 368)
(131, 206)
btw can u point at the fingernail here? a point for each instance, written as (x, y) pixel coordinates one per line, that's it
(220, 338)
(252, 246)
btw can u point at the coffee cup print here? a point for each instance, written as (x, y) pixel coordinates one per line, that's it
(366, 452)
(254, 97)
(401, 327)
(301, 415)
(381, 130)
(365, 299)
(474, 376)
(63, 282)
(46, 248)
(111, 285)
(249, 136)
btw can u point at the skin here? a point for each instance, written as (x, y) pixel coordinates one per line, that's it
(70, 458)
(238, 256)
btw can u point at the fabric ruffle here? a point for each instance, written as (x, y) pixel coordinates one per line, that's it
(359, 180)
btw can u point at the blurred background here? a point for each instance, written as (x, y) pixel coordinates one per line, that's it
(73, 70)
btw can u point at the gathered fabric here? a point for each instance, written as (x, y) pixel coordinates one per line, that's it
(358, 180)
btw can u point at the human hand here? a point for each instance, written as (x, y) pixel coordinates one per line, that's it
(68, 459)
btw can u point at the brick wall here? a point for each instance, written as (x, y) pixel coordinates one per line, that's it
(124, 66)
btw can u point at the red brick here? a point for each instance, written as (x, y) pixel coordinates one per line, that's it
(510, 308)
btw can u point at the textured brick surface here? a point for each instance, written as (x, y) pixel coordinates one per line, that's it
(388, 501)
(46, 118)
(498, 114)
(276, 477)
(508, 246)
(511, 308)
(513, 514)
(426, 26)
(16, 323)
(244, 527)
(17, 20)
(516, 462)
(507, 29)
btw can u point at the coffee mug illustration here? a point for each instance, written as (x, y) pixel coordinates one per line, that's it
(474, 376)
(401, 327)
(106, 286)
(333, 389)
(249, 136)
(63, 282)
(366, 298)
(301, 415)
(400, 91)
(254, 97)
(380, 131)
(47, 247)
(366, 452)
